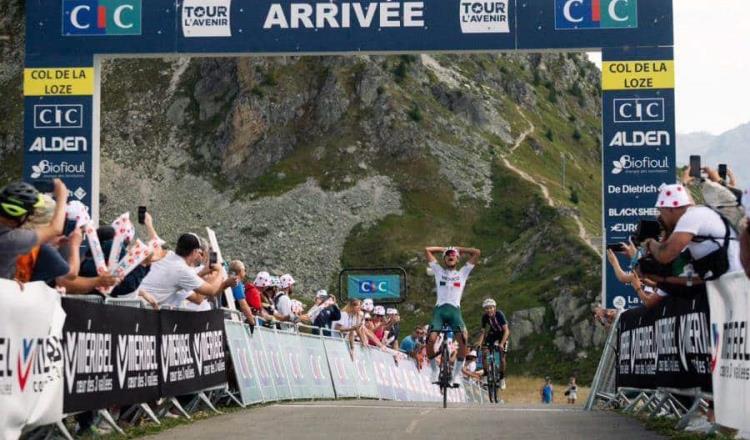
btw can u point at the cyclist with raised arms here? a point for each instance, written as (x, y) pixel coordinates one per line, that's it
(450, 287)
(494, 331)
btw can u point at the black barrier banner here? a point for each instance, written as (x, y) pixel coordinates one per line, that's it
(111, 355)
(666, 346)
(192, 351)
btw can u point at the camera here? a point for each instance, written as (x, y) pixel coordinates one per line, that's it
(646, 229)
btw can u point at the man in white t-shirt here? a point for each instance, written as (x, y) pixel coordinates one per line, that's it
(698, 228)
(450, 285)
(173, 278)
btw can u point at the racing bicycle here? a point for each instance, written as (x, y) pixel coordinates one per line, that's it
(445, 378)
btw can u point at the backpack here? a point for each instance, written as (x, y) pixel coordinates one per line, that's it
(715, 264)
(727, 202)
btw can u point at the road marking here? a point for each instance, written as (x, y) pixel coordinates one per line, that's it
(469, 408)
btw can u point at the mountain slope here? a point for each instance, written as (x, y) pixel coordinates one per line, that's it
(308, 165)
(730, 147)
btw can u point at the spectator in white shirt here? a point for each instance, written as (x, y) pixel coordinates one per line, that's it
(172, 279)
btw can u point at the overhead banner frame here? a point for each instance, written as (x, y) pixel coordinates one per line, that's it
(67, 39)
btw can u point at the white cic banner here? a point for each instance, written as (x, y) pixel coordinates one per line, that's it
(729, 301)
(31, 357)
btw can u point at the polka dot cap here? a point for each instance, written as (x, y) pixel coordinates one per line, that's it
(673, 196)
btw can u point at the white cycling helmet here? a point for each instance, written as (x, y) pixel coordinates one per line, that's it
(489, 302)
(379, 311)
(451, 249)
(263, 279)
(286, 281)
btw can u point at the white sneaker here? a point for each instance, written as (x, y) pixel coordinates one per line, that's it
(502, 384)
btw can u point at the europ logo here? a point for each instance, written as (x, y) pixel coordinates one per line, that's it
(368, 286)
(596, 14)
(101, 17)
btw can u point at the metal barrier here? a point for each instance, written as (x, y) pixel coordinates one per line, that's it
(603, 387)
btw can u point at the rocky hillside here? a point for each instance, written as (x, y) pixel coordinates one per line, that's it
(307, 165)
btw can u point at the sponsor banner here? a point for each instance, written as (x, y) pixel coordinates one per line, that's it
(111, 354)
(279, 367)
(638, 132)
(31, 357)
(314, 360)
(245, 372)
(558, 24)
(366, 385)
(206, 18)
(192, 351)
(386, 383)
(298, 370)
(58, 81)
(263, 366)
(342, 369)
(101, 17)
(666, 346)
(729, 300)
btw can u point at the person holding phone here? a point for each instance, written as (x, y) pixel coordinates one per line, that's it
(18, 201)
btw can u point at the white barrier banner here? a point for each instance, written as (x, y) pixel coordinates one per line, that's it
(729, 301)
(31, 357)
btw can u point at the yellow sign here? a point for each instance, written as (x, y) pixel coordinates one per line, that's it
(58, 81)
(637, 75)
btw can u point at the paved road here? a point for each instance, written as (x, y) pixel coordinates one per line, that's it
(356, 420)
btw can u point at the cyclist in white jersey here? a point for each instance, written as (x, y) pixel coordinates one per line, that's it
(450, 287)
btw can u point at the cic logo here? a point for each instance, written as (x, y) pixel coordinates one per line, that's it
(101, 17)
(596, 14)
(367, 287)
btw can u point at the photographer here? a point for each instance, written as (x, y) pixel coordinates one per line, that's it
(710, 240)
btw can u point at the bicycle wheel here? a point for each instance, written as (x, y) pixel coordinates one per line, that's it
(445, 373)
(492, 387)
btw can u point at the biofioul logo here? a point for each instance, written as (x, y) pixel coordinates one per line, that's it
(63, 169)
(627, 164)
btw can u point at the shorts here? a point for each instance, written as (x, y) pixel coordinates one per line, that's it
(492, 339)
(448, 316)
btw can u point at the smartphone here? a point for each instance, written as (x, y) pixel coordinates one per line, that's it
(212, 258)
(723, 171)
(44, 185)
(695, 166)
(618, 247)
(141, 214)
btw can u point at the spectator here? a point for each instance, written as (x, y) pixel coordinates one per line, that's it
(172, 279)
(18, 201)
(392, 333)
(470, 367)
(132, 280)
(237, 269)
(745, 238)
(572, 391)
(412, 343)
(367, 305)
(327, 312)
(281, 300)
(352, 324)
(709, 238)
(547, 391)
(252, 292)
(378, 324)
(649, 295)
(286, 283)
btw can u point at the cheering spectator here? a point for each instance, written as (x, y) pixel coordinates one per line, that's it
(326, 312)
(286, 283)
(368, 305)
(172, 279)
(18, 201)
(378, 324)
(281, 301)
(708, 237)
(352, 323)
(392, 334)
(252, 293)
(237, 269)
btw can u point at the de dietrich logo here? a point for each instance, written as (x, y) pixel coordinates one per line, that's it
(101, 17)
(596, 14)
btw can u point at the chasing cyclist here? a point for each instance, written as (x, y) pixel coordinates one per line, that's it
(494, 331)
(450, 287)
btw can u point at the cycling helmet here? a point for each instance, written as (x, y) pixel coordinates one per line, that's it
(449, 250)
(489, 302)
(18, 200)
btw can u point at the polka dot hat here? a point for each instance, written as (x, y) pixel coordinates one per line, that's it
(673, 196)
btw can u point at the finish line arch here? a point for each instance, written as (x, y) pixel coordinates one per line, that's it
(66, 41)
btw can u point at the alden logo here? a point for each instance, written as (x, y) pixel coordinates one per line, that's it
(101, 17)
(484, 16)
(596, 14)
